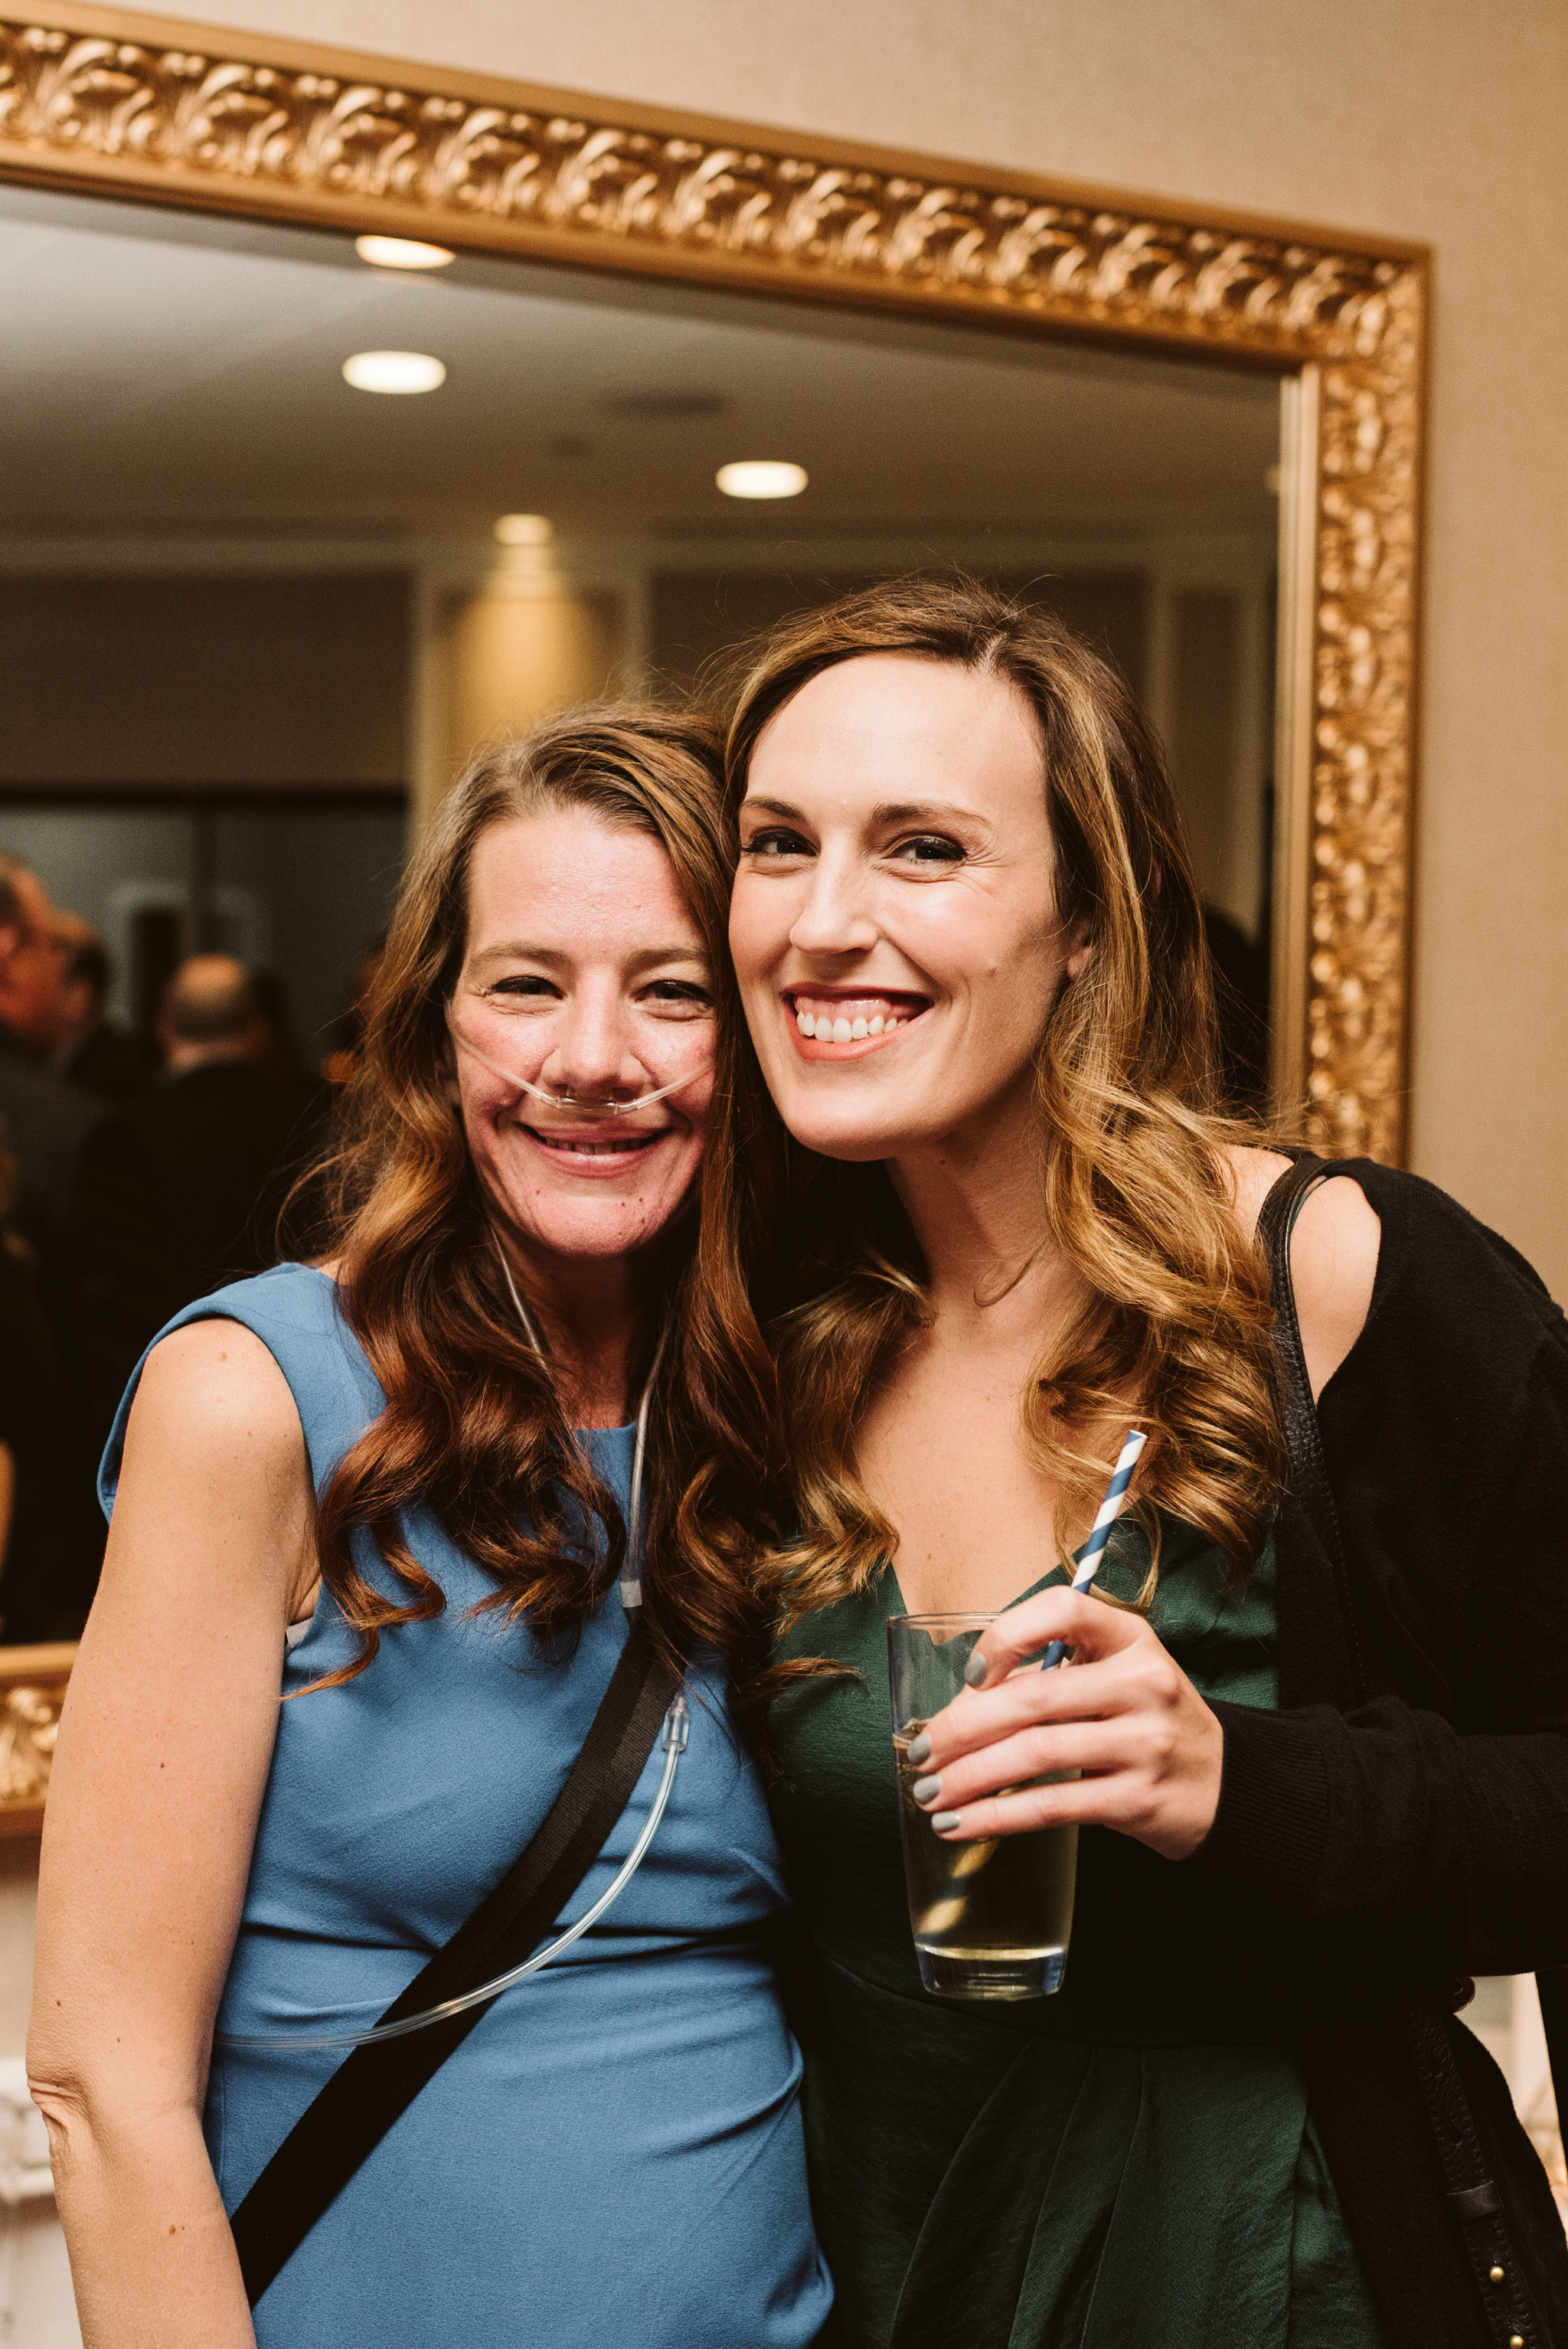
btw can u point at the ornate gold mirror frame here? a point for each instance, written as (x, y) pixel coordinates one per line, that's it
(158, 110)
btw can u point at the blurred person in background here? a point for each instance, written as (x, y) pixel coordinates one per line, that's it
(279, 1050)
(90, 1050)
(226, 1132)
(83, 1206)
(29, 1435)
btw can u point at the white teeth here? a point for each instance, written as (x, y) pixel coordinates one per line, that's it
(827, 1028)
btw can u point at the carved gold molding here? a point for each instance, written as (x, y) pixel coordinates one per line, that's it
(32, 1693)
(159, 110)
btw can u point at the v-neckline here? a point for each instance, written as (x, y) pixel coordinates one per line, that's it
(891, 1574)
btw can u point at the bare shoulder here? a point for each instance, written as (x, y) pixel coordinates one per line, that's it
(1334, 1264)
(1334, 1254)
(214, 1413)
(215, 1383)
(215, 1490)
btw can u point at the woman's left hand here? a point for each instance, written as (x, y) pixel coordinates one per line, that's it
(1123, 1714)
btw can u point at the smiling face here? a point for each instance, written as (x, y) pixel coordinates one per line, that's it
(895, 926)
(584, 974)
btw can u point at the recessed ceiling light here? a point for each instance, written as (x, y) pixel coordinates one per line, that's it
(400, 371)
(402, 253)
(524, 530)
(761, 478)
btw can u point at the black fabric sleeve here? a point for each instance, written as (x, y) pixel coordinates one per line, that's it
(1438, 1810)
(1454, 1847)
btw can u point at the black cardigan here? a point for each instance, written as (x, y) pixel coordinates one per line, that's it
(1421, 1834)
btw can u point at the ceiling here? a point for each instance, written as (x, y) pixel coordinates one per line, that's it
(162, 371)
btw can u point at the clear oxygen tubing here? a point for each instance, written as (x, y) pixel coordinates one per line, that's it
(596, 1104)
(673, 1739)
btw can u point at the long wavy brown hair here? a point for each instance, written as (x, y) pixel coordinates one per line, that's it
(1175, 1322)
(473, 1432)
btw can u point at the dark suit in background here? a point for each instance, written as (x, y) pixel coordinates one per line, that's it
(109, 1064)
(85, 1206)
(223, 1141)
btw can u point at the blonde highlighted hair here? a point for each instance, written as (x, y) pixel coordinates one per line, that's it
(1175, 1323)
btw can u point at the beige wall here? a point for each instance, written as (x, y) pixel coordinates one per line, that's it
(1433, 119)
(510, 657)
(204, 680)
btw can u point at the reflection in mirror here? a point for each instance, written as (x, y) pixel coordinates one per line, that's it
(285, 532)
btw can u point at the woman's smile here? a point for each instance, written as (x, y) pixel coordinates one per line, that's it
(591, 1155)
(844, 1023)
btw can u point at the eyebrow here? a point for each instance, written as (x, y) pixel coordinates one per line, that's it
(921, 811)
(645, 958)
(885, 811)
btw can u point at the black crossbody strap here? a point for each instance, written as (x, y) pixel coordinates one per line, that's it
(377, 2083)
(1473, 2199)
(1298, 1412)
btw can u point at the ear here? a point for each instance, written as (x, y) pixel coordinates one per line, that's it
(1080, 950)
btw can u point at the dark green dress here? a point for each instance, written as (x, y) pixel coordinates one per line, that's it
(1129, 2165)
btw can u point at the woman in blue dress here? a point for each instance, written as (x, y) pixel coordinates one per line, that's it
(393, 1487)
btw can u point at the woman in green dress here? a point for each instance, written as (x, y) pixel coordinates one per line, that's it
(971, 952)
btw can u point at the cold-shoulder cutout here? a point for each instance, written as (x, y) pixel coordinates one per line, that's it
(1333, 1252)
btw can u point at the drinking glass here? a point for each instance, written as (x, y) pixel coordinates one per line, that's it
(991, 1919)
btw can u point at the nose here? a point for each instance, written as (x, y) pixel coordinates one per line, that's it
(593, 1056)
(834, 919)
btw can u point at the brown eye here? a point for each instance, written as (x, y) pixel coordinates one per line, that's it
(930, 848)
(523, 984)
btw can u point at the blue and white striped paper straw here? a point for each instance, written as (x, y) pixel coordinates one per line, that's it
(1094, 1548)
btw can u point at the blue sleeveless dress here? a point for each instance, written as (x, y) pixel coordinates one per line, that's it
(614, 2156)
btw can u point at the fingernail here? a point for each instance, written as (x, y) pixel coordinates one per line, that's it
(917, 1751)
(945, 1821)
(976, 1670)
(927, 1790)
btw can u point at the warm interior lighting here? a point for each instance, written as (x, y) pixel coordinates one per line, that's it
(761, 478)
(524, 530)
(402, 253)
(399, 371)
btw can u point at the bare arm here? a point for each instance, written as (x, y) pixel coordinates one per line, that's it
(163, 1757)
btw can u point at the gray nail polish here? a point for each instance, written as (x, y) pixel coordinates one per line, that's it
(976, 1670)
(927, 1790)
(917, 1751)
(944, 1821)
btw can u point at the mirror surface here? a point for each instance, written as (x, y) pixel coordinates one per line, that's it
(253, 618)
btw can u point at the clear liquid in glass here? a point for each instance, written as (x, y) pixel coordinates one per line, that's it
(991, 1919)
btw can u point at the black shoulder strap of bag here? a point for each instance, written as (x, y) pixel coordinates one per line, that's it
(377, 2083)
(1473, 2198)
